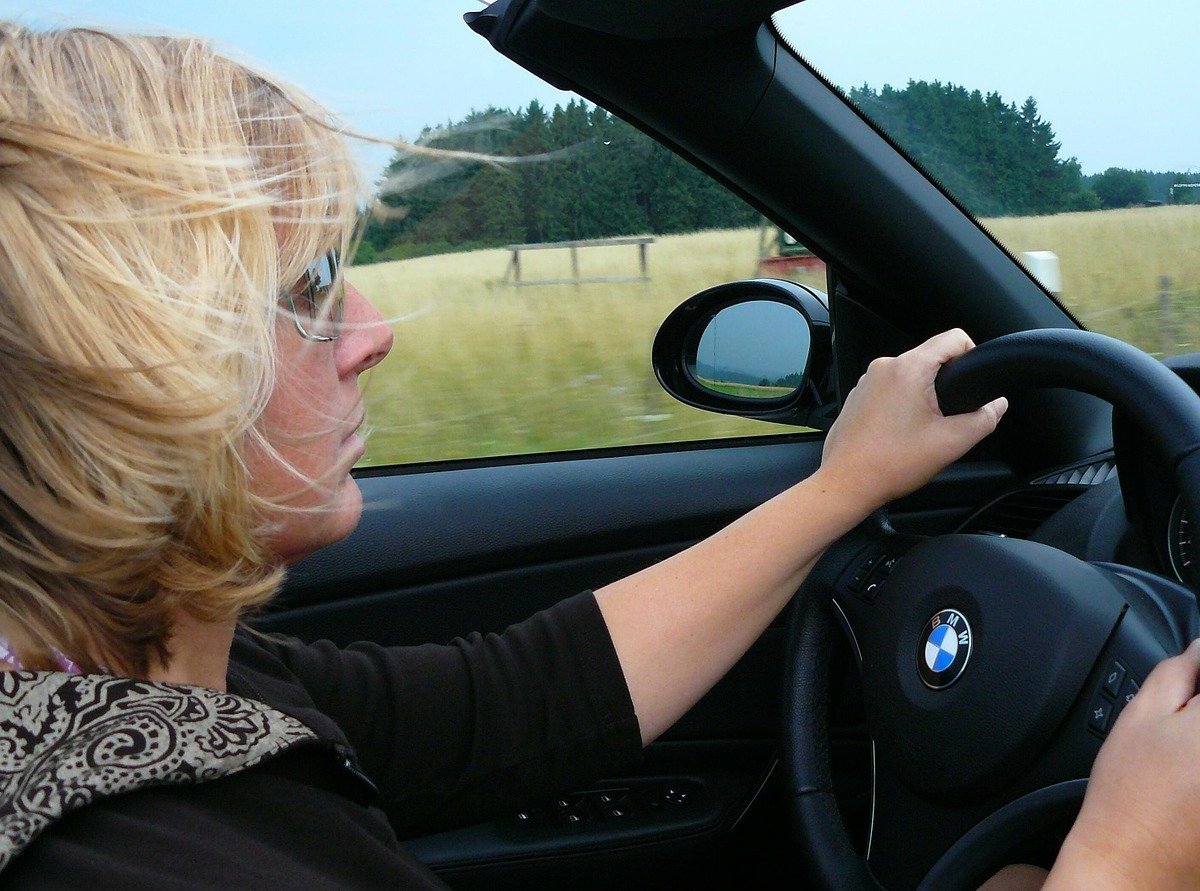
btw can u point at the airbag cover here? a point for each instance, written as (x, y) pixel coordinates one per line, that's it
(1039, 619)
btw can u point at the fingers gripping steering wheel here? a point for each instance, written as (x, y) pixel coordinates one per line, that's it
(991, 667)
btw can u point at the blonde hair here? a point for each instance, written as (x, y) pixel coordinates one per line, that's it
(155, 196)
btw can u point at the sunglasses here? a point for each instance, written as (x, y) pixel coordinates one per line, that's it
(318, 300)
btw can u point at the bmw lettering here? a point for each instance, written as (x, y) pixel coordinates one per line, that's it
(944, 648)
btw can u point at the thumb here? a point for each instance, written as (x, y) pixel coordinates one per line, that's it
(982, 421)
(1171, 684)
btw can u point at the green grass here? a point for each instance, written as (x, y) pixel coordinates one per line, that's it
(748, 391)
(482, 368)
(1113, 263)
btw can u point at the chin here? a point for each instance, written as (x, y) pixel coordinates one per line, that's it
(347, 510)
(305, 533)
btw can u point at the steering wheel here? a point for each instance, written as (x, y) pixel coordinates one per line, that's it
(992, 668)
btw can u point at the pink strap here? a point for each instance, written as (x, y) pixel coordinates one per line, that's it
(8, 655)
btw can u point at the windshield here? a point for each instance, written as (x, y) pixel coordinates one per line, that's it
(1071, 135)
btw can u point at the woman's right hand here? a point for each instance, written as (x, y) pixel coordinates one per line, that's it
(1140, 822)
(891, 437)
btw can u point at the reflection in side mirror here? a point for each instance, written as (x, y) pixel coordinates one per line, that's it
(753, 350)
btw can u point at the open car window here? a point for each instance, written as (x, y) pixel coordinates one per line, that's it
(528, 293)
(1069, 139)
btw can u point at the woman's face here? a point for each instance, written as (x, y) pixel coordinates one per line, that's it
(312, 420)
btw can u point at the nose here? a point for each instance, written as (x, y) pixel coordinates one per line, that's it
(366, 339)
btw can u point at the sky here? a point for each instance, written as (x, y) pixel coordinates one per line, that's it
(761, 339)
(1118, 82)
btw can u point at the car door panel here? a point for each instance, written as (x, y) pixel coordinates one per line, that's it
(445, 521)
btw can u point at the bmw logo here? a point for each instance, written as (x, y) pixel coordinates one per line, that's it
(944, 648)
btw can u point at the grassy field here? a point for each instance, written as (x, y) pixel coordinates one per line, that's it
(482, 368)
(1112, 262)
(752, 391)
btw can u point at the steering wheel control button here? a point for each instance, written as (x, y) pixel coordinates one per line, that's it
(870, 574)
(1100, 714)
(1129, 690)
(944, 649)
(863, 572)
(1113, 677)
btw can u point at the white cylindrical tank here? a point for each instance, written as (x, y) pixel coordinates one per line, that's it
(1043, 265)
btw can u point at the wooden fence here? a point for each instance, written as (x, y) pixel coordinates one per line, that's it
(512, 275)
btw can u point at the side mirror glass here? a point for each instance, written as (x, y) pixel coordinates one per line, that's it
(755, 350)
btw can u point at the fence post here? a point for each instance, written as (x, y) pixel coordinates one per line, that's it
(1166, 321)
(512, 274)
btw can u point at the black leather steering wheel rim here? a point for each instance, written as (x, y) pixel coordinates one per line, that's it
(1080, 360)
(825, 847)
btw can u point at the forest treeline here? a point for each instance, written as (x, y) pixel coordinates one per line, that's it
(581, 173)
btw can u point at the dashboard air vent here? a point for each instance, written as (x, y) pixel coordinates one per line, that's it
(1018, 514)
(1083, 475)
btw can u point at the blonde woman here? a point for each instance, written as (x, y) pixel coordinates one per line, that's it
(180, 404)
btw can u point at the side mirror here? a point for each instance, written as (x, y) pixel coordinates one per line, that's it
(759, 349)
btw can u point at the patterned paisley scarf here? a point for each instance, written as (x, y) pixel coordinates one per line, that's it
(69, 739)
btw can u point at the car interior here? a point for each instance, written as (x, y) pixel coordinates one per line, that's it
(1057, 555)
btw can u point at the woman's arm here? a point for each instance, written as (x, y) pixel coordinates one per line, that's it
(465, 732)
(680, 625)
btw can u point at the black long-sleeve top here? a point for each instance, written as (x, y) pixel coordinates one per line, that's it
(450, 735)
